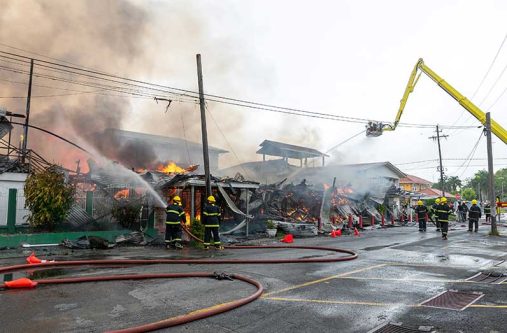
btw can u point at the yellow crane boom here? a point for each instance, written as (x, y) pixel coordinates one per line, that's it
(375, 129)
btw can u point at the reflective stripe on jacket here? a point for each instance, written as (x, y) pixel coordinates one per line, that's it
(211, 216)
(174, 214)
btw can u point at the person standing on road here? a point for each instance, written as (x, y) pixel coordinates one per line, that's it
(434, 213)
(459, 212)
(487, 211)
(443, 212)
(464, 211)
(421, 212)
(473, 216)
(211, 221)
(175, 216)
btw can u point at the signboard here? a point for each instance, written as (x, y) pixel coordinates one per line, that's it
(501, 203)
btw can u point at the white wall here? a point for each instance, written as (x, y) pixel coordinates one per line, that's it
(10, 180)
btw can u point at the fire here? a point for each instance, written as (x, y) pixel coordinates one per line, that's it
(122, 194)
(171, 167)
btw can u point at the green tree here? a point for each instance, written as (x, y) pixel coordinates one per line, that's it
(451, 184)
(479, 182)
(48, 197)
(468, 194)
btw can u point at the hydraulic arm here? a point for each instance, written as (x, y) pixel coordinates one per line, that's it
(376, 129)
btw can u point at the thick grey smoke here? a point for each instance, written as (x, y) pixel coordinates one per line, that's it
(152, 41)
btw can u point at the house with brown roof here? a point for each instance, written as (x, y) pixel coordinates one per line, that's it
(414, 184)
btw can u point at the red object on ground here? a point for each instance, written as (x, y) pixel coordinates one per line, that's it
(350, 221)
(288, 239)
(32, 259)
(383, 220)
(356, 232)
(392, 219)
(338, 232)
(360, 221)
(372, 220)
(333, 234)
(20, 283)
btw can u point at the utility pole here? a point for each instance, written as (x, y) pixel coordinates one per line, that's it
(440, 158)
(25, 133)
(491, 176)
(203, 127)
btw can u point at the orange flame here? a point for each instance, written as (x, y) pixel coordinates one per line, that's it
(171, 167)
(122, 194)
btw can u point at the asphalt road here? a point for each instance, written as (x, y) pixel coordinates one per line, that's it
(397, 269)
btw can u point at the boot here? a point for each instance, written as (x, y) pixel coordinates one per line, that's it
(178, 246)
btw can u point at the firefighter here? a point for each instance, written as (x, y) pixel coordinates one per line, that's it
(434, 213)
(421, 212)
(211, 221)
(443, 212)
(174, 217)
(487, 211)
(474, 214)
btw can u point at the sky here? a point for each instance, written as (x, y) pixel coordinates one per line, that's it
(347, 58)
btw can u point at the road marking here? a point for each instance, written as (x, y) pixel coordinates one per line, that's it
(406, 280)
(322, 280)
(321, 301)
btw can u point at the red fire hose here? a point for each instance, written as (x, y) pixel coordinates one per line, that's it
(178, 320)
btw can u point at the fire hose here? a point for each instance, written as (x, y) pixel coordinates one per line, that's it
(182, 319)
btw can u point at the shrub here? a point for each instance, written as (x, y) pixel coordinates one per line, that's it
(197, 229)
(127, 213)
(49, 198)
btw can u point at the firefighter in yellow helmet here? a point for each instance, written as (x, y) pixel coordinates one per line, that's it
(434, 216)
(175, 215)
(474, 214)
(211, 221)
(443, 212)
(422, 212)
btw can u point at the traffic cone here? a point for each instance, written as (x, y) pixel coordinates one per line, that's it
(32, 259)
(356, 232)
(288, 239)
(338, 232)
(20, 283)
(333, 234)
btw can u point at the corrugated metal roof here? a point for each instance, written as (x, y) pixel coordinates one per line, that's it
(280, 149)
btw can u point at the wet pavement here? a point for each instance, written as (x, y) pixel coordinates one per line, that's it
(397, 270)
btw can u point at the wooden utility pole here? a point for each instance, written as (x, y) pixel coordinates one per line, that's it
(205, 151)
(491, 176)
(440, 158)
(29, 96)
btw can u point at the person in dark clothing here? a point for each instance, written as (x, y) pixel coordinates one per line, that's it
(421, 212)
(464, 211)
(460, 212)
(473, 216)
(487, 211)
(434, 209)
(175, 215)
(443, 212)
(211, 221)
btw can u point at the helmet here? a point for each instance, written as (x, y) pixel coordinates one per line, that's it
(474, 202)
(211, 199)
(419, 203)
(176, 198)
(443, 200)
(437, 200)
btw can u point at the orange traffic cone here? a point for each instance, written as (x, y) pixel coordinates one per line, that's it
(20, 283)
(333, 234)
(32, 259)
(288, 239)
(338, 232)
(356, 232)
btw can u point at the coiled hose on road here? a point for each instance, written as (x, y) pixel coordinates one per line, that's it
(200, 314)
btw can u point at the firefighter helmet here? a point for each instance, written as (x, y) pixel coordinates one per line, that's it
(211, 199)
(419, 203)
(443, 200)
(474, 202)
(437, 201)
(176, 198)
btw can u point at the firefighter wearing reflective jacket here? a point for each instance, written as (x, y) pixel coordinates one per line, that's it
(421, 212)
(443, 212)
(174, 217)
(434, 215)
(474, 214)
(211, 221)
